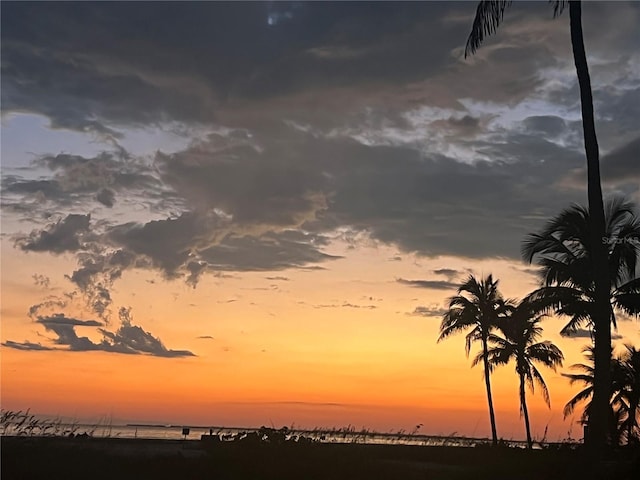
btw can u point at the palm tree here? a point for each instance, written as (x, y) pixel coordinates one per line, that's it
(624, 398)
(489, 15)
(477, 307)
(585, 377)
(628, 391)
(521, 331)
(565, 251)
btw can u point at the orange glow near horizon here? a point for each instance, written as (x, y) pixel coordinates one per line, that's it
(291, 355)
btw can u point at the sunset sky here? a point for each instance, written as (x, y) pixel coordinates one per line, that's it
(251, 214)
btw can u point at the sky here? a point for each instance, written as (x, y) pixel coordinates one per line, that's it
(251, 214)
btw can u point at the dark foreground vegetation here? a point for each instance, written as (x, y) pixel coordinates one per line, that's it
(113, 458)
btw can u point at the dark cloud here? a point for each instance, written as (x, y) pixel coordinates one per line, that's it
(100, 174)
(205, 337)
(41, 280)
(67, 336)
(63, 236)
(97, 269)
(430, 204)
(26, 346)
(450, 273)
(278, 278)
(194, 243)
(104, 265)
(582, 333)
(167, 243)
(431, 311)
(132, 339)
(269, 252)
(318, 118)
(128, 339)
(61, 319)
(106, 197)
(623, 164)
(34, 189)
(619, 170)
(84, 67)
(268, 202)
(548, 125)
(88, 67)
(48, 306)
(423, 203)
(195, 269)
(78, 180)
(433, 284)
(466, 122)
(254, 187)
(395, 194)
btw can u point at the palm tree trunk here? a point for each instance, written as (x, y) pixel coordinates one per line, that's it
(487, 381)
(597, 430)
(525, 412)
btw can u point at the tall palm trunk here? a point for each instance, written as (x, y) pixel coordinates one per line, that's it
(597, 430)
(487, 382)
(525, 412)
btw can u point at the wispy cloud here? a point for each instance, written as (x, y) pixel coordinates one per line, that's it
(432, 284)
(430, 311)
(450, 273)
(65, 235)
(26, 346)
(582, 333)
(345, 305)
(41, 280)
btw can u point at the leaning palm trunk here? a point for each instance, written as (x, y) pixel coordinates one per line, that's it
(597, 429)
(487, 381)
(525, 411)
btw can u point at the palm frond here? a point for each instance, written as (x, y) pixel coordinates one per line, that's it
(629, 303)
(558, 7)
(473, 336)
(489, 15)
(543, 386)
(581, 396)
(577, 377)
(546, 353)
(617, 210)
(535, 244)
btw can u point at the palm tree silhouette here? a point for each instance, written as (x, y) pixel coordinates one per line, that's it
(489, 15)
(624, 398)
(627, 394)
(585, 377)
(564, 252)
(521, 329)
(477, 307)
